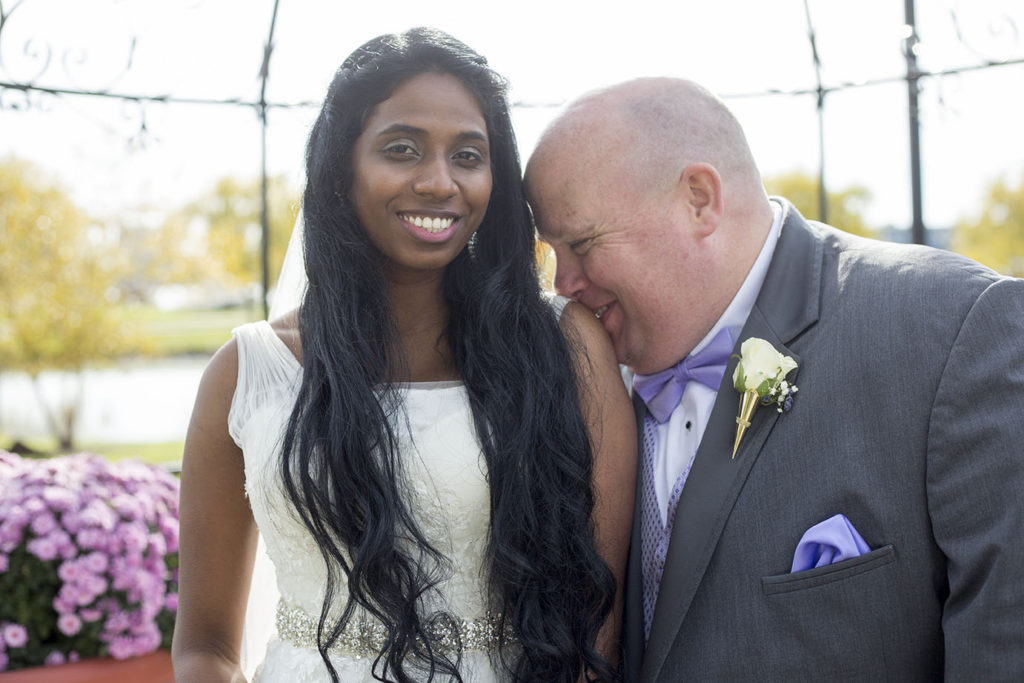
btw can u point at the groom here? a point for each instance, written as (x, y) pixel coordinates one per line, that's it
(873, 531)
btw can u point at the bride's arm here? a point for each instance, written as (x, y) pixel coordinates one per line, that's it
(218, 536)
(609, 415)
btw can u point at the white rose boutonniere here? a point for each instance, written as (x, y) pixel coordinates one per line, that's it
(760, 377)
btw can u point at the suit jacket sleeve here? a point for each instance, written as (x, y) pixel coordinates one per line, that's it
(975, 486)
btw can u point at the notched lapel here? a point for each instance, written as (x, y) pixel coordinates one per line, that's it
(786, 306)
(633, 614)
(711, 490)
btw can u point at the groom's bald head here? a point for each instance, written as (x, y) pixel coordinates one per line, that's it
(657, 174)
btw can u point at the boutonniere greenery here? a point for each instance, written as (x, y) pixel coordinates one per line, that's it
(760, 377)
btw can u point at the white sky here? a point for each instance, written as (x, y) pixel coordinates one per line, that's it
(550, 50)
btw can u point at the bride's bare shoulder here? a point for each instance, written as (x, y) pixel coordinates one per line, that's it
(287, 329)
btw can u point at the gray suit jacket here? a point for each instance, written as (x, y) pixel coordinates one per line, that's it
(910, 421)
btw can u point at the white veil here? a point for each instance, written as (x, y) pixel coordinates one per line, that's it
(291, 282)
(260, 613)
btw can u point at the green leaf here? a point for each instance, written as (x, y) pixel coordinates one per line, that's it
(740, 380)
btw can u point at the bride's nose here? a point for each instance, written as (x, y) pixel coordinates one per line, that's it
(435, 180)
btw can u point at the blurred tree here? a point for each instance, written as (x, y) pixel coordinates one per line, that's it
(996, 237)
(545, 257)
(845, 207)
(57, 276)
(169, 255)
(231, 213)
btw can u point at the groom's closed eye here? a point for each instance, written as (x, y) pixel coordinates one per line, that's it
(579, 247)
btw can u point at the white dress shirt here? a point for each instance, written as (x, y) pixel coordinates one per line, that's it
(679, 437)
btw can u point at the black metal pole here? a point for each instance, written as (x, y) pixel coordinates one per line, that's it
(822, 193)
(917, 231)
(264, 213)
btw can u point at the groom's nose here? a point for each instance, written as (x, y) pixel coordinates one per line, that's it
(569, 278)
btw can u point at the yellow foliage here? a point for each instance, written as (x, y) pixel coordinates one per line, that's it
(545, 265)
(231, 213)
(56, 279)
(996, 236)
(845, 206)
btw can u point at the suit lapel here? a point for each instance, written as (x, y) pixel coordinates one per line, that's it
(786, 305)
(633, 624)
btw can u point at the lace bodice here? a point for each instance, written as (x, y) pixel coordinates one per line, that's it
(445, 476)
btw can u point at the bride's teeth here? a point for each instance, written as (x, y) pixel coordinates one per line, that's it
(599, 312)
(434, 225)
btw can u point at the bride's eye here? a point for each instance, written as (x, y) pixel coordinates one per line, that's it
(402, 150)
(469, 157)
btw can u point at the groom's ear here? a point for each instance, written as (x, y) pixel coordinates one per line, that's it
(700, 188)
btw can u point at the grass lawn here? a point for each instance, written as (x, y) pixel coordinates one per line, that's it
(170, 333)
(167, 454)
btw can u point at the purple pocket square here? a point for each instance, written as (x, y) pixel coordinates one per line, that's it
(828, 542)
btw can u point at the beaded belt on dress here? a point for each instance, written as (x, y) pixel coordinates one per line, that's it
(362, 638)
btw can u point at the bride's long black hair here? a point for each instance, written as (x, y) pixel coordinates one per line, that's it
(340, 464)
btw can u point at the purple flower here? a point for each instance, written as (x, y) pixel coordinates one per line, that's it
(69, 624)
(15, 635)
(59, 498)
(91, 539)
(43, 548)
(96, 562)
(10, 532)
(90, 615)
(118, 621)
(73, 657)
(95, 584)
(55, 658)
(101, 532)
(157, 544)
(147, 639)
(121, 648)
(127, 506)
(17, 515)
(43, 524)
(69, 571)
(133, 536)
(62, 606)
(65, 546)
(169, 528)
(72, 522)
(75, 594)
(98, 514)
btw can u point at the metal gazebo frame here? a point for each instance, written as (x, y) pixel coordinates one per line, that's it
(262, 106)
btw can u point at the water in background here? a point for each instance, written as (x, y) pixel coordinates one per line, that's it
(138, 401)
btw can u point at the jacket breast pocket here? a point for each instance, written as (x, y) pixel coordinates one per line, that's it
(832, 573)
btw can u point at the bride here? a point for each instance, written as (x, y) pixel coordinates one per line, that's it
(441, 462)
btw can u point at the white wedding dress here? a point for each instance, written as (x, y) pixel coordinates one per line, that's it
(447, 490)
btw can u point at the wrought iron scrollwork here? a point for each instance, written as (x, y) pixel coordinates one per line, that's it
(986, 29)
(34, 67)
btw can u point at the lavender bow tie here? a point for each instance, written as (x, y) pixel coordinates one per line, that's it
(663, 390)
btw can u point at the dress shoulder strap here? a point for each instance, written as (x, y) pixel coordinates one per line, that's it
(266, 370)
(558, 303)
